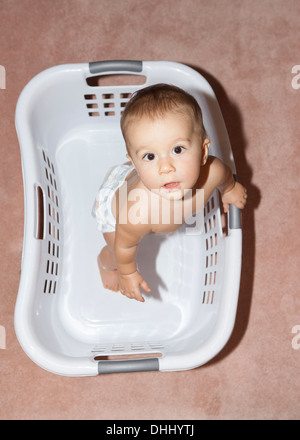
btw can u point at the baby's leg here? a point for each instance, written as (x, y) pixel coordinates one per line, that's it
(107, 265)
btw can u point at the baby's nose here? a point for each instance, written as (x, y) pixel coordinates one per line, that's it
(166, 166)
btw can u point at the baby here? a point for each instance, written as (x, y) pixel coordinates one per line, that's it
(167, 147)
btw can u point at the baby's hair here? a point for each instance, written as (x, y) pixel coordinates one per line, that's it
(156, 100)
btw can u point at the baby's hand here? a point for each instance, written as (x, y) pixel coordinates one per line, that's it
(130, 286)
(236, 196)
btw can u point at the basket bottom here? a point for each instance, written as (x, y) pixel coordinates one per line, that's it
(173, 265)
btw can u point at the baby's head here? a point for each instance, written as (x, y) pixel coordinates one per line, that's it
(156, 101)
(165, 138)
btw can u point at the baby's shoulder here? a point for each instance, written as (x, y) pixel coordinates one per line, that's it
(210, 177)
(210, 173)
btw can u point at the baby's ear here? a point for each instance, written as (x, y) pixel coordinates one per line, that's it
(205, 151)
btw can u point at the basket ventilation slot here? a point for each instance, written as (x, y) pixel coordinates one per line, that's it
(52, 213)
(106, 104)
(211, 243)
(127, 348)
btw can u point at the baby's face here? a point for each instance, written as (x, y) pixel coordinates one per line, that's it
(166, 153)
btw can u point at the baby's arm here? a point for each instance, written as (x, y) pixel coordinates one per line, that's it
(126, 245)
(232, 192)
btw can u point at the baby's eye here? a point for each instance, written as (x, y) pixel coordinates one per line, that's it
(178, 150)
(149, 156)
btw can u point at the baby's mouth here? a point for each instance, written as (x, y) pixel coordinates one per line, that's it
(171, 186)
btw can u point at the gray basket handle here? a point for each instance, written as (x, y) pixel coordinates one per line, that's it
(128, 365)
(234, 218)
(234, 215)
(116, 66)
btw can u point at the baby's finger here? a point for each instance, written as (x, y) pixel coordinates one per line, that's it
(126, 293)
(134, 293)
(226, 207)
(145, 286)
(138, 296)
(241, 204)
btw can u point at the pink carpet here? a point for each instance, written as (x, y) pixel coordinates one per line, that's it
(247, 50)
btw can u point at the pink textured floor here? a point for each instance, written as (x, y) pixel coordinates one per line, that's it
(246, 49)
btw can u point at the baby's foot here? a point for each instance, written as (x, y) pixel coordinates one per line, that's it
(110, 278)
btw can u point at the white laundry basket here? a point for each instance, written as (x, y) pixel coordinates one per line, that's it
(65, 320)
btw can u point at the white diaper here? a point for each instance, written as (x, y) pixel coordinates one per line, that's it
(116, 176)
